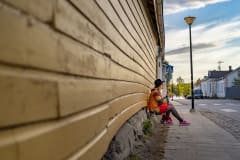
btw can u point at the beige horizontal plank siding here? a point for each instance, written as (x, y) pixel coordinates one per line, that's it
(121, 103)
(72, 72)
(147, 20)
(58, 140)
(8, 146)
(38, 46)
(96, 149)
(26, 100)
(140, 25)
(42, 9)
(121, 88)
(24, 41)
(131, 16)
(99, 26)
(79, 95)
(69, 95)
(148, 32)
(79, 59)
(73, 23)
(55, 140)
(110, 13)
(129, 27)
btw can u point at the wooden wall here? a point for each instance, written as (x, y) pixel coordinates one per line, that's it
(71, 73)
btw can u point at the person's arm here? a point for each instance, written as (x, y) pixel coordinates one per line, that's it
(167, 99)
(158, 98)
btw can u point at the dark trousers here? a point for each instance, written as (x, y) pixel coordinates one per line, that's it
(172, 109)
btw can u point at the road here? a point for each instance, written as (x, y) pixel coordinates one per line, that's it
(230, 108)
(225, 113)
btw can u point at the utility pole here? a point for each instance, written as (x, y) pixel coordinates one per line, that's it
(219, 65)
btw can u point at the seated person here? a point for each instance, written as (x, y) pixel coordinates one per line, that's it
(160, 104)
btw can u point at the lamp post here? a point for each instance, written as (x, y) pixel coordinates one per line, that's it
(172, 88)
(189, 20)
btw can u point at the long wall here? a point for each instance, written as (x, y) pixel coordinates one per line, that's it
(71, 73)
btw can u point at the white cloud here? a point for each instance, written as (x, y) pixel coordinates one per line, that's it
(219, 35)
(174, 6)
(206, 59)
(203, 62)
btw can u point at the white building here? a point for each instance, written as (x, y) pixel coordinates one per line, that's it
(231, 76)
(231, 90)
(214, 84)
(204, 88)
(220, 91)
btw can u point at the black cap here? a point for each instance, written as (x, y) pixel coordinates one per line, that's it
(158, 82)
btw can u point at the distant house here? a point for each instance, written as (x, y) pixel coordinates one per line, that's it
(214, 84)
(218, 74)
(220, 88)
(232, 91)
(206, 87)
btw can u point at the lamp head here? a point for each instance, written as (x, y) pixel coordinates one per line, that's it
(189, 20)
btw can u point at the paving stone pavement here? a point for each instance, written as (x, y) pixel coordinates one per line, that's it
(229, 124)
(202, 140)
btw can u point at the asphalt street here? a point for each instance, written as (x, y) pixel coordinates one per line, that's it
(225, 113)
(229, 108)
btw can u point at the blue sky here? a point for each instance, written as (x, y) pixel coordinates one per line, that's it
(215, 35)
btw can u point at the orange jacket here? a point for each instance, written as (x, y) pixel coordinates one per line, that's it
(153, 103)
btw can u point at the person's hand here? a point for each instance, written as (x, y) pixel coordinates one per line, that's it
(164, 100)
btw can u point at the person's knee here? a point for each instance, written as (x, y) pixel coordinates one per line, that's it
(171, 106)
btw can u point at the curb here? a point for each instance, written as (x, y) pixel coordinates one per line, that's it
(179, 103)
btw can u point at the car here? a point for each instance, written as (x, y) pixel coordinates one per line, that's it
(197, 94)
(188, 97)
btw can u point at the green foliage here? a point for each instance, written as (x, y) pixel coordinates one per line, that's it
(236, 81)
(132, 157)
(172, 88)
(147, 127)
(182, 89)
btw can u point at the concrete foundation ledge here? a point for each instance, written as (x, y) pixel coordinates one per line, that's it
(129, 136)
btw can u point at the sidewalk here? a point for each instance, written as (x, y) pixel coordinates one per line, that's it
(202, 140)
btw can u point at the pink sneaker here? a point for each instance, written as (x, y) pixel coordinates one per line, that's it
(168, 122)
(184, 123)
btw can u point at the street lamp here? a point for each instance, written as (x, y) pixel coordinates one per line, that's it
(172, 88)
(189, 20)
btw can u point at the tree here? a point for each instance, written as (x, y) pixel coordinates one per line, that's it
(198, 82)
(180, 80)
(236, 81)
(186, 89)
(183, 89)
(172, 88)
